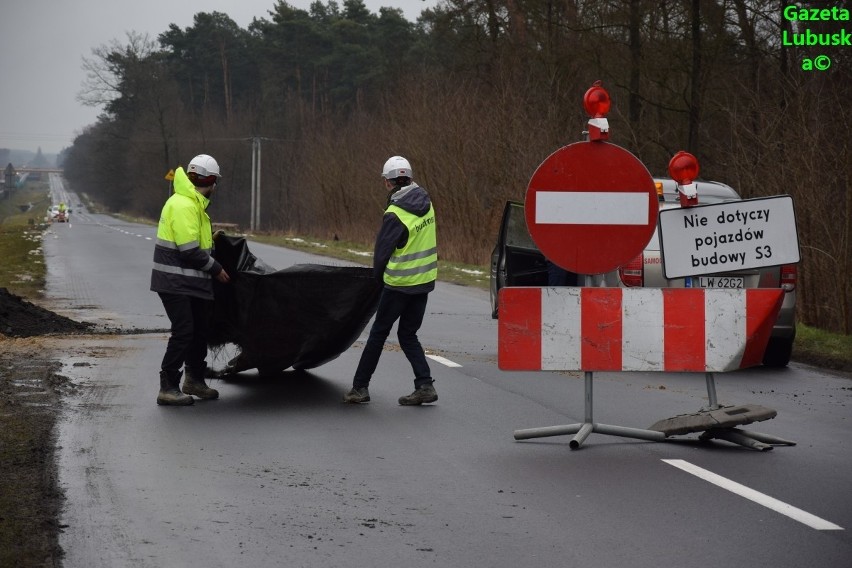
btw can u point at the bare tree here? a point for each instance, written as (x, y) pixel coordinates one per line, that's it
(106, 71)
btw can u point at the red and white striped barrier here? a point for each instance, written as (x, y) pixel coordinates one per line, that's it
(634, 329)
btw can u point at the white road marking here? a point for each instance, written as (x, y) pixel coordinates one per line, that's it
(759, 498)
(443, 361)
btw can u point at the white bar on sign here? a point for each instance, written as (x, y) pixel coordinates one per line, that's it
(724, 329)
(591, 208)
(560, 329)
(642, 329)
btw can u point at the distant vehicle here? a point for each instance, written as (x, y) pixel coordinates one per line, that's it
(58, 215)
(516, 261)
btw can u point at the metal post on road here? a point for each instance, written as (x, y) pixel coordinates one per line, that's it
(711, 391)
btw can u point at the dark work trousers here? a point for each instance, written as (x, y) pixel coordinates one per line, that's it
(188, 342)
(409, 309)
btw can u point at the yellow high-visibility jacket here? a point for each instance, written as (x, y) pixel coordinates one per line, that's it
(182, 255)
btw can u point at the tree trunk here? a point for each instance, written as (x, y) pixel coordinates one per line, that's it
(635, 100)
(695, 81)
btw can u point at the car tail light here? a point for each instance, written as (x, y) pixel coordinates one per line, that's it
(632, 274)
(789, 276)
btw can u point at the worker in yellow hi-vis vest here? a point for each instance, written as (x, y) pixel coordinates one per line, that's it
(182, 276)
(405, 261)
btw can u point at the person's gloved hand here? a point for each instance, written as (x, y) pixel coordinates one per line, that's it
(217, 234)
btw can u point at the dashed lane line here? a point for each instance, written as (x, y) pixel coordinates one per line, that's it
(770, 502)
(443, 361)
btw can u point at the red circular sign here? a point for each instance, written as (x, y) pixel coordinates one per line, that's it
(591, 207)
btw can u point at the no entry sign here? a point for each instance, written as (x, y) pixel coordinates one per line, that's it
(591, 207)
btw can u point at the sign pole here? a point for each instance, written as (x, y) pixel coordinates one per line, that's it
(253, 205)
(588, 383)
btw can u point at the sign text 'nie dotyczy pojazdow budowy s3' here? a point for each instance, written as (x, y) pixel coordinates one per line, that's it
(724, 237)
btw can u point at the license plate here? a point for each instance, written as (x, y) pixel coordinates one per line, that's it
(720, 282)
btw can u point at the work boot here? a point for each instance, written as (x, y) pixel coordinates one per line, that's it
(170, 394)
(193, 383)
(357, 395)
(423, 395)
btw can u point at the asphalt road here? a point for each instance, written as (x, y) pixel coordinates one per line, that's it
(279, 472)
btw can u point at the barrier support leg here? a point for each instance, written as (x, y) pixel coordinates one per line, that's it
(711, 391)
(735, 437)
(766, 438)
(746, 438)
(589, 424)
(583, 430)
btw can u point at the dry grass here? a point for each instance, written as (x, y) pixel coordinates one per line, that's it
(23, 271)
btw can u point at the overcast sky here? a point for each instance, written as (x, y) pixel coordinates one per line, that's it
(42, 43)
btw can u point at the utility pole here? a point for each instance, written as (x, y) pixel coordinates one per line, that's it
(254, 222)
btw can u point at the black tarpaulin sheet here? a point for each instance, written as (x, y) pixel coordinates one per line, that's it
(299, 317)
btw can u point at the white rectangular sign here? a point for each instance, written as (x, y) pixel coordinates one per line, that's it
(723, 237)
(591, 208)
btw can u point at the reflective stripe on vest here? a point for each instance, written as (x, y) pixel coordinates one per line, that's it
(416, 262)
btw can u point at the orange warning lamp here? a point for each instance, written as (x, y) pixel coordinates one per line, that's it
(683, 167)
(596, 102)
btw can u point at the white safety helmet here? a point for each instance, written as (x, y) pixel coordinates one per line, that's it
(396, 167)
(204, 165)
(203, 170)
